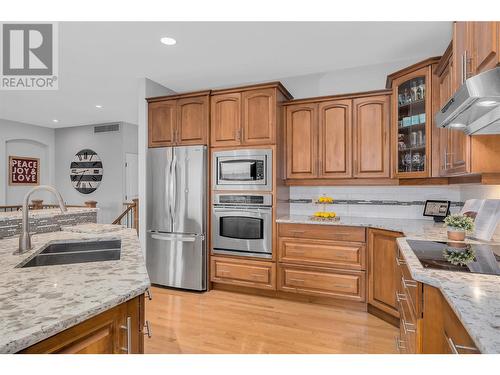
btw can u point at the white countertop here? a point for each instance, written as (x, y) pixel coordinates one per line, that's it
(39, 302)
(475, 298)
(51, 212)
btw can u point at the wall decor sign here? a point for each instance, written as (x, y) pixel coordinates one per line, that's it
(86, 171)
(24, 171)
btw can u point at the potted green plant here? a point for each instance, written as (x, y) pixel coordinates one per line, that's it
(458, 225)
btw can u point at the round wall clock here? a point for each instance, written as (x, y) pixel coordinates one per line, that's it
(86, 171)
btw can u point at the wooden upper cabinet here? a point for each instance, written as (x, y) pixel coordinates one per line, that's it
(412, 121)
(162, 120)
(259, 116)
(454, 144)
(371, 128)
(335, 139)
(461, 53)
(179, 121)
(475, 49)
(301, 141)
(192, 121)
(485, 45)
(226, 119)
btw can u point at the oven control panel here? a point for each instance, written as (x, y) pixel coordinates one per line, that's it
(243, 199)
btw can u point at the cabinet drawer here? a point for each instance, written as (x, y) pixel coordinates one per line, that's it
(455, 335)
(324, 282)
(251, 273)
(407, 325)
(349, 255)
(323, 232)
(409, 287)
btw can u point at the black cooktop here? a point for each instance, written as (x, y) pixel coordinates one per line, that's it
(458, 256)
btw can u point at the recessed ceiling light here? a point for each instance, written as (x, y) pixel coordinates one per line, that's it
(457, 125)
(487, 103)
(168, 41)
(98, 106)
(55, 120)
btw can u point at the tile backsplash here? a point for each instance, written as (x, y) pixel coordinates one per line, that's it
(374, 201)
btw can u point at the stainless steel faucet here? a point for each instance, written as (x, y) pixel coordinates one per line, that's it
(25, 237)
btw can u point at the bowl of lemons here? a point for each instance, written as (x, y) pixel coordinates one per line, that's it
(324, 215)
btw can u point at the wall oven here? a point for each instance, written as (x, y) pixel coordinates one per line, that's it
(242, 225)
(243, 169)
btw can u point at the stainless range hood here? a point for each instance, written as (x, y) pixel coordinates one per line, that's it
(475, 107)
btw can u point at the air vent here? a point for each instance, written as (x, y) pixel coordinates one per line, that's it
(107, 128)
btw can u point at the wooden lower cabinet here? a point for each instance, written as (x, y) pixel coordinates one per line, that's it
(442, 331)
(322, 261)
(324, 282)
(323, 232)
(243, 272)
(382, 270)
(106, 333)
(427, 323)
(347, 255)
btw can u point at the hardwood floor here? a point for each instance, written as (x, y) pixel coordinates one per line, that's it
(224, 322)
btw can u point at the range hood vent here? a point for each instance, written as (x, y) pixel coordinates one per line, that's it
(475, 107)
(107, 128)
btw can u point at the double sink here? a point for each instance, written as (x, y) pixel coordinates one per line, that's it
(70, 252)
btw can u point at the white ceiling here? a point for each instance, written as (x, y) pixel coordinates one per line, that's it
(100, 63)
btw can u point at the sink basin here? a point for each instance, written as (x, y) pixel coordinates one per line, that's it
(75, 252)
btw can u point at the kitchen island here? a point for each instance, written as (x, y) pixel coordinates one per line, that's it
(40, 302)
(474, 298)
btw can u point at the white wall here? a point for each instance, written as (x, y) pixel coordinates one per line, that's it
(361, 78)
(110, 147)
(146, 89)
(20, 139)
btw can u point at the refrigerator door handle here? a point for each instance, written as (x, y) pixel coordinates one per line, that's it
(171, 189)
(168, 169)
(173, 238)
(173, 182)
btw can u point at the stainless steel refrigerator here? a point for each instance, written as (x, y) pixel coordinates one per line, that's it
(176, 251)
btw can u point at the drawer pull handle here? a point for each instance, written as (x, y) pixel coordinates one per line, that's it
(400, 261)
(400, 297)
(408, 327)
(148, 332)
(257, 275)
(297, 281)
(295, 252)
(455, 349)
(297, 231)
(408, 283)
(400, 344)
(149, 294)
(128, 329)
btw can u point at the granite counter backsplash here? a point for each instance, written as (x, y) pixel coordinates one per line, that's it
(43, 221)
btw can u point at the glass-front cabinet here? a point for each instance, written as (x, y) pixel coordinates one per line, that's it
(411, 120)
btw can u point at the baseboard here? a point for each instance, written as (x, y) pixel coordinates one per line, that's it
(383, 315)
(334, 302)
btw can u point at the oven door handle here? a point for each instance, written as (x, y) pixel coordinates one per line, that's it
(240, 210)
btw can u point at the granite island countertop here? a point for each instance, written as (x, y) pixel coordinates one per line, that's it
(46, 213)
(39, 302)
(475, 298)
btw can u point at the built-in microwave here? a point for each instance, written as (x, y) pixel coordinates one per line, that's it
(243, 169)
